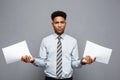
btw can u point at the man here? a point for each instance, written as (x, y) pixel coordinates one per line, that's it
(58, 52)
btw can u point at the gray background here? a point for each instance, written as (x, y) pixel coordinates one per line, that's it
(94, 20)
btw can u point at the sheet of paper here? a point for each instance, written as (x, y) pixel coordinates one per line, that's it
(101, 53)
(14, 52)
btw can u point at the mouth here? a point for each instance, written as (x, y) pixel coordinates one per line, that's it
(60, 30)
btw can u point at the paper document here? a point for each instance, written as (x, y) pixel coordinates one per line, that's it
(14, 52)
(101, 53)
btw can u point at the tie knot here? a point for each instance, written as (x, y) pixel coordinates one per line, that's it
(59, 37)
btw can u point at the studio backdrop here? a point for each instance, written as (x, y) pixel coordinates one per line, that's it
(94, 20)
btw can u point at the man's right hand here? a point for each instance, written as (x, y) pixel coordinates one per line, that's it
(27, 59)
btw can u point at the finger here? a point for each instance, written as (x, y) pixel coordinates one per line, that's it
(30, 58)
(89, 60)
(93, 60)
(26, 58)
(22, 58)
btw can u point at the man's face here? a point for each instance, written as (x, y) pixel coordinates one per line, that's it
(59, 24)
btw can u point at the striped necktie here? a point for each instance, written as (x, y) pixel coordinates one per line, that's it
(59, 58)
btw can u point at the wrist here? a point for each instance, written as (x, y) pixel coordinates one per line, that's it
(82, 61)
(32, 60)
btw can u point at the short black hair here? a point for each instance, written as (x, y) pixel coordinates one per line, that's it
(58, 13)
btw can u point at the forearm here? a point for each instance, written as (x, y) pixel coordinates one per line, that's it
(39, 62)
(76, 64)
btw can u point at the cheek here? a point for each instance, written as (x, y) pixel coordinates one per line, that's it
(55, 28)
(63, 26)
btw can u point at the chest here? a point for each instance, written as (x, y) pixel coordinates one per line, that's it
(67, 47)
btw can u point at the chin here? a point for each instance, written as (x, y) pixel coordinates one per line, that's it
(59, 32)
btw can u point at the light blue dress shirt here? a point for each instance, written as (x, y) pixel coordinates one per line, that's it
(48, 52)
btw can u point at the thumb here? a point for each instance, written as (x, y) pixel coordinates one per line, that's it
(32, 59)
(84, 61)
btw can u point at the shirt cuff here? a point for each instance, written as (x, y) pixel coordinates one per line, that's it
(76, 64)
(39, 62)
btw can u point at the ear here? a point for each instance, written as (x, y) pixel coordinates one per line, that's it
(52, 24)
(65, 21)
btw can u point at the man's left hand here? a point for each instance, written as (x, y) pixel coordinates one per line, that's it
(88, 60)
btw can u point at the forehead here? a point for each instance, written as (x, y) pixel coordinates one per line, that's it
(59, 18)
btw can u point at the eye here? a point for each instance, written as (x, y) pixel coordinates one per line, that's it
(62, 22)
(56, 22)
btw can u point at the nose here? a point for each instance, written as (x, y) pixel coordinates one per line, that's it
(59, 24)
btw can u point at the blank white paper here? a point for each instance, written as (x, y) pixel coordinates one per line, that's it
(101, 53)
(14, 52)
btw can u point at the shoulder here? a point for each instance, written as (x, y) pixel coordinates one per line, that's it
(68, 37)
(49, 37)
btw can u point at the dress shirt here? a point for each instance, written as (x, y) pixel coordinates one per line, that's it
(48, 51)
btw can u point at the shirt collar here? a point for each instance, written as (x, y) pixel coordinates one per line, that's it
(62, 36)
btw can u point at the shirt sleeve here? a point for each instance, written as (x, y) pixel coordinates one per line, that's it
(41, 60)
(76, 62)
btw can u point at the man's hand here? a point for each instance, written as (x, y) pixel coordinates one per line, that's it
(88, 60)
(27, 59)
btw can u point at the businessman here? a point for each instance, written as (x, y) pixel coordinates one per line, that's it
(58, 54)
